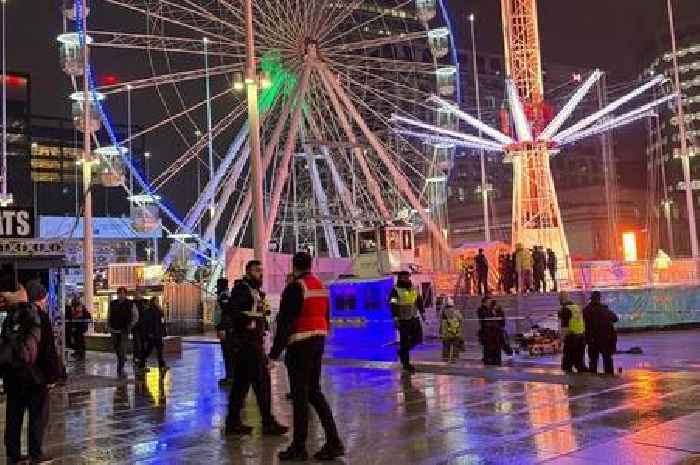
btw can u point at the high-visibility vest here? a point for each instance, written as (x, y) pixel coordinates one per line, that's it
(313, 320)
(407, 303)
(576, 323)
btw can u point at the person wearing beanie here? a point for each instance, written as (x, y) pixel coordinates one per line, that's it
(28, 384)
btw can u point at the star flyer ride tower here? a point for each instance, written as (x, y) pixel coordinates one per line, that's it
(537, 135)
(536, 214)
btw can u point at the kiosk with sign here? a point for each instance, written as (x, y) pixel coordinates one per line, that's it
(29, 258)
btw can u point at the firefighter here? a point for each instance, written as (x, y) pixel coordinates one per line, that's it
(302, 326)
(406, 306)
(244, 319)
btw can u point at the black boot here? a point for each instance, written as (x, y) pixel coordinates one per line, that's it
(330, 451)
(238, 429)
(297, 454)
(274, 428)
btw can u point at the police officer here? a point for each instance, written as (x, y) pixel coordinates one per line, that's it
(302, 327)
(244, 318)
(572, 334)
(406, 304)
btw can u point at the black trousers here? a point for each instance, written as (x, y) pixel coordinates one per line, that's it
(79, 342)
(573, 354)
(593, 353)
(120, 342)
(410, 335)
(553, 275)
(21, 399)
(137, 340)
(149, 344)
(540, 283)
(482, 283)
(227, 353)
(250, 366)
(303, 362)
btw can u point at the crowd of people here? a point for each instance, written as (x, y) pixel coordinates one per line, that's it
(30, 364)
(144, 321)
(522, 271)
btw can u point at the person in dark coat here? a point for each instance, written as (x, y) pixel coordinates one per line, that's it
(80, 321)
(498, 312)
(601, 336)
(137, 334)
(539, 264)
(490, 333)
(482, 273)
(245, 319)
(121, 316)
(152, 332)
(552, 268)
(33, 373)
(222, 296)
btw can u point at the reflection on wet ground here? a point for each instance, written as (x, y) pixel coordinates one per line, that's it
(460, 414)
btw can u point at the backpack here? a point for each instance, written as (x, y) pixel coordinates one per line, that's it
(19, 346)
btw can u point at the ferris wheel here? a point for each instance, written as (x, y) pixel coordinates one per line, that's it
(330, 73)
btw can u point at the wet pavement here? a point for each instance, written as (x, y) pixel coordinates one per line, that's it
(526, 413)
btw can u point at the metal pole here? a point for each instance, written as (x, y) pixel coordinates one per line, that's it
(685, 156)
(88, 272)
(256, 172)
(5, 198)
(210, 139)
(482, 154)
(667, 202)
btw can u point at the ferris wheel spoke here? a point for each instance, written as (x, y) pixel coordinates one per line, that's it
(377, 43)
(397, 99)
(195, 11)
(292, 134)
(383, 119)
(163, 79)
(137, 6)
(398, 178)
(342, 13)
(161, 43)
(173, 117)
(387, 65)
(360, 26)
(347, 128)
(198, 146)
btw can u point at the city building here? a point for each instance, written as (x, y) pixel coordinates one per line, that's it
(664, 136)
(42, 155)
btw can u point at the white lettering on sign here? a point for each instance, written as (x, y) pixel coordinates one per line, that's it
(16, 223)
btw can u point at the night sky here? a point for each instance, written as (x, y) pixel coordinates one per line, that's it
(615, 35)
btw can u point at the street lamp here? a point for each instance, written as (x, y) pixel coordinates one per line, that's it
(482, 154)
(146, 157)
(5, 198)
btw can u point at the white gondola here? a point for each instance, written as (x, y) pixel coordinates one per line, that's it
(446, 80)
(69, 9)
(145, 215)
(71, 53)
(383, 250)
(446, 119)
(110, 170)
(426, 10)
(94, 120)
(439, 41)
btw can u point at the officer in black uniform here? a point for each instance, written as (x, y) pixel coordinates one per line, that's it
(244, 318)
